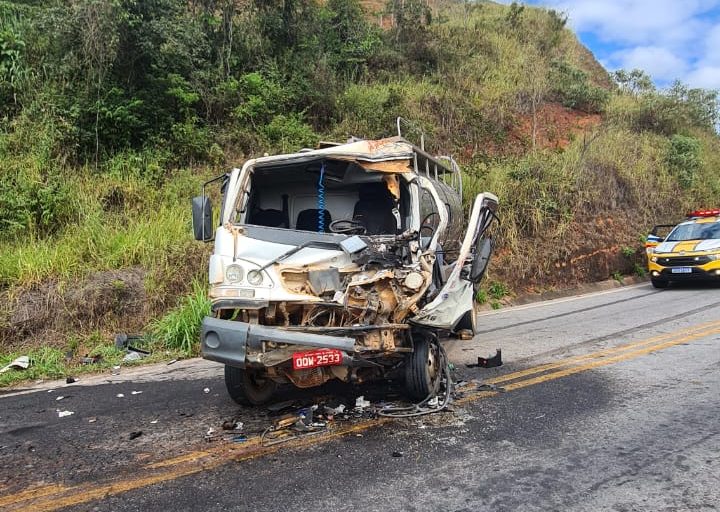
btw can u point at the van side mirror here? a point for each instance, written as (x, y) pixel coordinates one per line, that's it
(483, 251)
(202, 218)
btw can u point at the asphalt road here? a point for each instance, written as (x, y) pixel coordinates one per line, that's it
(608, 401)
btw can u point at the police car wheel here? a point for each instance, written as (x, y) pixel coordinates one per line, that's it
(660, 283)
(249, 387)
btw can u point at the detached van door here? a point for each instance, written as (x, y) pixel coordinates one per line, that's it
(455, 301)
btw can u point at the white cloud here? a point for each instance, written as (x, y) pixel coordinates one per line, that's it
(660, 63)
(669, 39)
(707, 77)
(637, 21)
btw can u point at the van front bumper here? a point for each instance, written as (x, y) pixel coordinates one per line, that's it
(227, 341)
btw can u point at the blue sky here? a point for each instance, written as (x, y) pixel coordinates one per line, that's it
(669, 39)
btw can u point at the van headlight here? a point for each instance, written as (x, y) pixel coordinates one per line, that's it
(255, 277)
(653, 259)
(234, 273)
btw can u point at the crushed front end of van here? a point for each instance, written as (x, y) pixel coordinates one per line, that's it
(346, 262)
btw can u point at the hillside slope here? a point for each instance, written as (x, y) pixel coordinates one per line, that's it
(113, 113)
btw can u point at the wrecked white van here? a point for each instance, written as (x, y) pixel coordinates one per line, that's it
(346, 262)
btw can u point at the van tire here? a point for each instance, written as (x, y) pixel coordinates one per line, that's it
(659, 283)
(249, 387)
(422, 369)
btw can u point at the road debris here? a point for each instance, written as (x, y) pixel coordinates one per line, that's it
(62, 414)
(91, 359)
(132, 356)
(59, 398)
(120, 395)
(153, 422)
(135, 435)
(116, 370)
(19, 363)
(361, 403)
(71, 380)
(206, 390)
(136, 392)
(397, 454)
(232, 425)
(173, 361)
(490, 387)
(488, 362)
(92, 420)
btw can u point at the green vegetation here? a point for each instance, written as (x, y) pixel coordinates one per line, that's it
(113, 112)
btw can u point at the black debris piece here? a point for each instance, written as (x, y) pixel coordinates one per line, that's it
(488, 362)
(135, 435)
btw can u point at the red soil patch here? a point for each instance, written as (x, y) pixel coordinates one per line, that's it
(555, 126)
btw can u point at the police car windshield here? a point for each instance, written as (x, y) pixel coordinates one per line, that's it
(695, 231)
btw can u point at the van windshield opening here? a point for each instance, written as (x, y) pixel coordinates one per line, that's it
(326, 196)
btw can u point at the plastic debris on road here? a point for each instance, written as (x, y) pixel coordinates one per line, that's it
(361, 403)
(62, 414)
(206, 390)
(120, 395)
(132, 356)
(19, 363)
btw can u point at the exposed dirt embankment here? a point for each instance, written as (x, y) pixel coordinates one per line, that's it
(103, 302)
(591, 249)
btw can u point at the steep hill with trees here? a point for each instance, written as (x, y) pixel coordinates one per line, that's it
(112, 112)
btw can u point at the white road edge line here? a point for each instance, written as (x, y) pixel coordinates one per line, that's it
(551, 302)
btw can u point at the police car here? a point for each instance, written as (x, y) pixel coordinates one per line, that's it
(691, 251)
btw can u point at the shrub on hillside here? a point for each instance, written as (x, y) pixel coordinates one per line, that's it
(574, 90)
(29, 208)
(683, 158)
(290, 133)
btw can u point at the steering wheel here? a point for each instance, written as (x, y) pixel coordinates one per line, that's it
(348, 227)
(424, 225)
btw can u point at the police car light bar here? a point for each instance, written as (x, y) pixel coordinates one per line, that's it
(704, 213)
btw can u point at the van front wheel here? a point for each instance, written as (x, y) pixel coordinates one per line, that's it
(249, 387)
(422, 369)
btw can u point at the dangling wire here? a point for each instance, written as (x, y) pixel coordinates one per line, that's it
(321, 200)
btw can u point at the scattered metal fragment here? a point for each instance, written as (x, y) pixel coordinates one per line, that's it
(19, 363)
(488, 362)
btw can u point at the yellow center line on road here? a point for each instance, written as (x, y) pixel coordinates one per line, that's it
(600, 353)
(54, 497)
